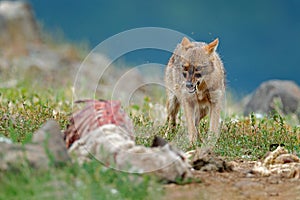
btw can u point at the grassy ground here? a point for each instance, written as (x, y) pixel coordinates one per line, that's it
(25, 108)
(247, 137)
(90, 181)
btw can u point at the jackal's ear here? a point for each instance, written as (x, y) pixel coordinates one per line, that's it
(186, 43)
(211, 47)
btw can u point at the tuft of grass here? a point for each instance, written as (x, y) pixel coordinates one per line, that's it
(251, 137)
(24, 110)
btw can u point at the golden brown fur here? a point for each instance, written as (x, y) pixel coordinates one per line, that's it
(195, 79)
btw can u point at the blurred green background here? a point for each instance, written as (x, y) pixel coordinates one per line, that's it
(259, 39)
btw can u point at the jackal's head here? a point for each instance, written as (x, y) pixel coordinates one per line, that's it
(197, 62)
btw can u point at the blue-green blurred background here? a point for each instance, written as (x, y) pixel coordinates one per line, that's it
(259, 39)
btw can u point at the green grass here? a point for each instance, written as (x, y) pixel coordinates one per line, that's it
(241, 137)
(251, 138)
(90, 181)
(24, 109)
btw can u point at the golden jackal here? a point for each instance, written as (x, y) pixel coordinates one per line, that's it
(195, 79)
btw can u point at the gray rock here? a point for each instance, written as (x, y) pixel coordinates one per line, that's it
(263, 100)
(51, 138)
(14, 156)
(204, 159)
(46, 150)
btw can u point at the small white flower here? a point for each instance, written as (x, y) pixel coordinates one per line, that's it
(113, 191)
(54, 112)
(234, 120)
(246, 156)
(150, 105)
(258, 115)
(35, 100)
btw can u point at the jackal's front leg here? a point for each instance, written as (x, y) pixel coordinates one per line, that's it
(214, 125)
(190, 120)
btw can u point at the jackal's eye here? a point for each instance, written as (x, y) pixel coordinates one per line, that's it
(197, 75)
(184, 74)
(185, 67)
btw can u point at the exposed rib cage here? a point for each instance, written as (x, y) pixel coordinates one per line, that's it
(96, 113)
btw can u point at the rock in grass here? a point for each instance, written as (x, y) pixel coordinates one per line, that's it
(16, 156)
(270, 93)
(47, 149)
(50, 137)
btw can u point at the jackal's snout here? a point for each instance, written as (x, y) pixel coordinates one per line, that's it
(191, 88)
(189, 85)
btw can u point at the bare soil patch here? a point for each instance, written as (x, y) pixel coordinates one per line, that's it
(237, 184)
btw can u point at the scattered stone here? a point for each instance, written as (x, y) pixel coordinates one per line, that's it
(51, 138)
(14, 156)
(47, 149)
(206, 160)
